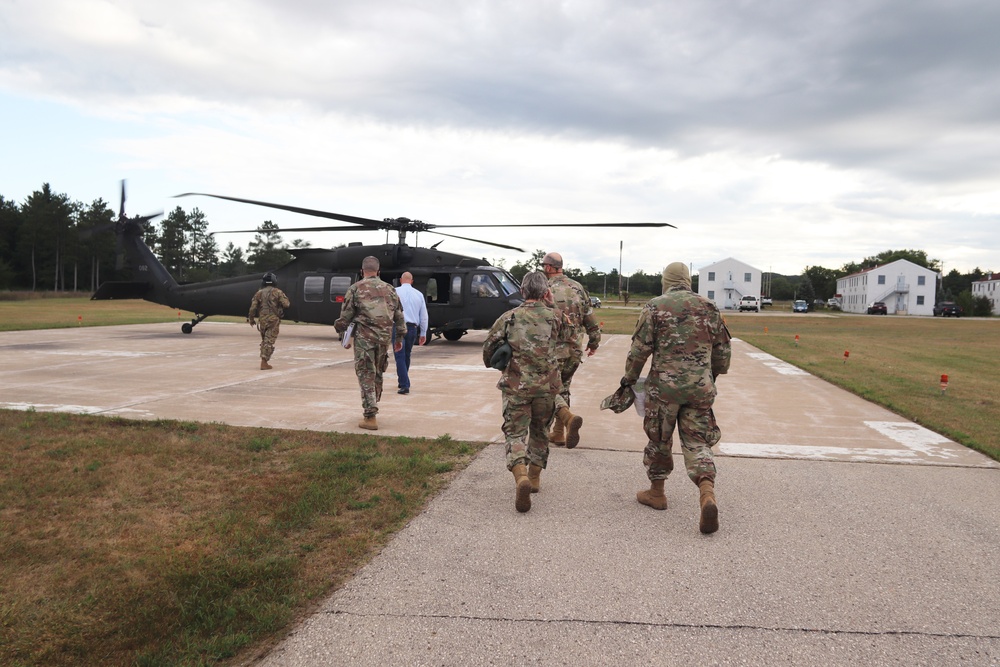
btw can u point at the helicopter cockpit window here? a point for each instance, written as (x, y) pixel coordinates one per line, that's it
(506, 284)
(312, 288)
(483, 286)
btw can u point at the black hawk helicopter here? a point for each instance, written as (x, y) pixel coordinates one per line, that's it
(463, 293)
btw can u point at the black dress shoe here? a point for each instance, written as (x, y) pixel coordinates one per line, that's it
(403, 391)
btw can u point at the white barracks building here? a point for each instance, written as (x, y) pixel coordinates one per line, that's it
(726, 282)
(905, 288)
(990, 288)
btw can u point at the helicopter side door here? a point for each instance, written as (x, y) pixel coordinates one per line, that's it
(321, 295)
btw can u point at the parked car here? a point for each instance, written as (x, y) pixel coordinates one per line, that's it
(878, 308)
(800, 306)
(749, 303)
(948, 309)
(832, 303)
(765, 301)
(595, 302)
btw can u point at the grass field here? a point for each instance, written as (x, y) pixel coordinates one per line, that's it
(177, 543)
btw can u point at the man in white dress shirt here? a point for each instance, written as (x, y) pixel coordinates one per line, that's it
(415, 314)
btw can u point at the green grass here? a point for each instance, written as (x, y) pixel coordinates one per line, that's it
(172, 543)
(20, 312)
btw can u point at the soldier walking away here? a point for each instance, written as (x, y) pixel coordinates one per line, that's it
(529, 384)
(415, 314)
(573, 302)
(689, 344)
(373, 307)
(267, 307)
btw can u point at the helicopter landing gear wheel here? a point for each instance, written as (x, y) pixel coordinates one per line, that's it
(188, 327)
(453, 334)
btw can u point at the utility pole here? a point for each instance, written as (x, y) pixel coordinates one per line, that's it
(621, 244)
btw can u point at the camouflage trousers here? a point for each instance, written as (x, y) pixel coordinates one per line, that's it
(698, 433)
(525, 429)
(567, 368)
(268, 327)
(370, 361)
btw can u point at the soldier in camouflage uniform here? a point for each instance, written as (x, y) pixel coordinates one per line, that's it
(267, 306)
(530, 383)
(573, 302)
(373, 307)
(689, 343)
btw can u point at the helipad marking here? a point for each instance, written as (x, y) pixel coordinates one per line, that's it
(776, 364)
(464, 368)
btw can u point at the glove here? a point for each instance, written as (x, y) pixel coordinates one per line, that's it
(626, 382)
(250, 320)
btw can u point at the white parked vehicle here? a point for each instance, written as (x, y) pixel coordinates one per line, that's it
(749, 303)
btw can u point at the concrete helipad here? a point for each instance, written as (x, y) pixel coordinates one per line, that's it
(849, 535)
(766, 407)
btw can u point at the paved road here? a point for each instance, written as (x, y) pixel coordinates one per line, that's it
(849, 535)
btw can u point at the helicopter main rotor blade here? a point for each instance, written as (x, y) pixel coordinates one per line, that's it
(574, 224)
(466, 238)
(365, 222)
(296, 229)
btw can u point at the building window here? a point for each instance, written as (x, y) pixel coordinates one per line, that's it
(921, 280)
(881, 280)
(711, 294)
(746, 277)
(920, 300)
(711, 278)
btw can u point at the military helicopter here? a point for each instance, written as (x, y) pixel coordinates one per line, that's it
(463, 293)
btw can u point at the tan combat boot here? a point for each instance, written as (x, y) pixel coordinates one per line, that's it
(522, 493)
(572, 423)
(653, 496)
(709, 522)
(368, 423)
(535, 477)
(264, 366)
(558, 435)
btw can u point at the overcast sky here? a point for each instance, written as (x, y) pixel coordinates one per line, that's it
(783, 133)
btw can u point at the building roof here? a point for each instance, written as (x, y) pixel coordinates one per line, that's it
(882, 266)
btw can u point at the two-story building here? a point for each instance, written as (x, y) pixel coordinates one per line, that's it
(990, 288)
(905, 288)
(727, 281)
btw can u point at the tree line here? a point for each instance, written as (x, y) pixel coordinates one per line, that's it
(53, 243)
(48, 243)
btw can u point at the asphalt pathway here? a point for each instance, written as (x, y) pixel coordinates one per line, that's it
(849, 536)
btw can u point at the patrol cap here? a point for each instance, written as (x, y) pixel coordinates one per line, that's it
(620, 401)
(501, 357)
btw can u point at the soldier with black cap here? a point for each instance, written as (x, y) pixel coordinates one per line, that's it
(267, 307)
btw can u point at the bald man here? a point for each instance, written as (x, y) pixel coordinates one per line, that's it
(415, 314)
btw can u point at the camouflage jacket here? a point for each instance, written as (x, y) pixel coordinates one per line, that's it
(268, 302)
(572, 300)
(532, 330)
(373, 306)
(689, 343)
